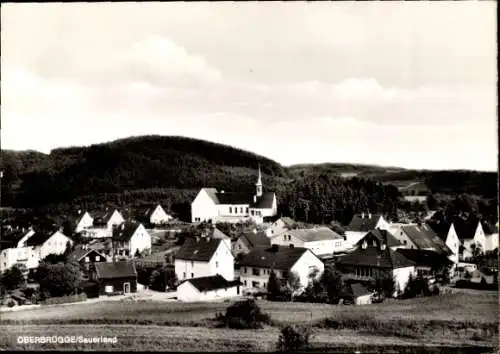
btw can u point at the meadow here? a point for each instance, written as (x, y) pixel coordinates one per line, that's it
(453, 320)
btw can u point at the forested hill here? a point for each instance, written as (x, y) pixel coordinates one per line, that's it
(129, 164)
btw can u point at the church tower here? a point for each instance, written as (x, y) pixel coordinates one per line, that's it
(258, 185)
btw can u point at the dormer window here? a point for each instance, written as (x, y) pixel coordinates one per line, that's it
(382, 247)
(364, 245)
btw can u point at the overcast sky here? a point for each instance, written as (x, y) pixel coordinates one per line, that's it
(400, 84)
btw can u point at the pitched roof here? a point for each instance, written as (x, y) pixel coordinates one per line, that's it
(265, 257)
(115, 270)
(263, 202)
(218, 234)
(287, 221)
(488, 228)
(212, 193)
(464, 229)
(40, 237)
(375, 257)
(383, 236)
(314, 234)
(79, 253)
(125, 231)
(212, 283)
(229, 198)
(357, 290)
(11, 238)
(102, 218)
(198, 249)
(255, 239)
(363, 224)
(425, 238)
(425, 258)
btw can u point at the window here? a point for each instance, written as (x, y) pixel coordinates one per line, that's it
(284, 237)
(255, 271)
(245, 270)
(245, 282)
(405, 242)
(97, 258)
(289, 238)
(216, 264)
(192, 275)
(265, 285)
(247, 210)
(192, 264)
(255, 284)
(252, 212)
(239, 247)
(87, 259)
(241, 210)
(230, 210)
(184, 275)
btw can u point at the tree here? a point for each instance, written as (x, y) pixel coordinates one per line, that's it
(244, 315)
(54, 258)
(273, 287)
(332, 282)
(476, 250)
(13, 278)
(58, 279)
(293, 338)
(385, 284)
(293, 284)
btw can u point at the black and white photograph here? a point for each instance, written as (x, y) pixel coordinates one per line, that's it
(314, 177)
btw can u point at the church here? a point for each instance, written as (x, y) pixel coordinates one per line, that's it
(215, 206)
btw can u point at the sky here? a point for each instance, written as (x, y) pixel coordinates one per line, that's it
(408, 84)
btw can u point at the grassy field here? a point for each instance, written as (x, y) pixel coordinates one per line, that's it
(456, 319)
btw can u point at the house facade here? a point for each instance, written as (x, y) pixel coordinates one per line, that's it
(86, 257)
(213, 206)
(45, 243)
(322, 241)
(453, 242)
(208, 288)
(204, 257)
(83, 222)
(154, 215)
(130, 238)
(256, 266)
(279, 226)
(114, 278)
(248, 241)
(103, 224)
(361, 224)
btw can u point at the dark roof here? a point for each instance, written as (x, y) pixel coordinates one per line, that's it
(102, 218)
(383, 237)
(11, 238)
(40, 237)
(289, 222)
(425, 238)
(234, 198)
(125, 231)
(265, 257)
(79, 253)
(441, 228)
(375, 257)
(465, 230)
(314, 234)
(363, 224)
(228, 198)
(198, 249)
(424, 258)
(212, 193)
(212, 283)
(263, 202)
(255, 239)
(145, 212)
(115, 270)
(489, 228)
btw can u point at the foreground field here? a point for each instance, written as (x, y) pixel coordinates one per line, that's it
(457, 319)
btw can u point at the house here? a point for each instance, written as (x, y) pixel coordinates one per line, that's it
(356, 293)
(379, 236)
(453, 242)
(248, 241)
(87, 256)
(83, 222)
(203, 257)
(153, 215)
(322, 241)
(491, 235)
(427, 262)
(361, 224)
(280, 225)
(43, 243)
(469, 234)
(213, 206)
(256, 266)
(103, 224)
(215, 233)
(114, 278)
(130, 238)
(372, 260)
(420, 236)
(208, 288)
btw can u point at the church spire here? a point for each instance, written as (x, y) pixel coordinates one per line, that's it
(259, 184)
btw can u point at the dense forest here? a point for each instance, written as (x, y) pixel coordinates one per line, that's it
(170, 170)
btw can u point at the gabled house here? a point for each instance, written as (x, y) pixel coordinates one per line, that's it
(103, 224)
(83, 221)
(13, 249)
(280, 225)
(379, 236)
(87, 256)
(213, 206)
(248, 241)
(361, 224)
(130, 238)
(153, 215)
(208, 288)
(491, 237)
(422, 237)
(256, 266)
(43, 243)
(372, 260)
(322, 241)
(453, 242)
(469, 235)
(427, 262)
(203, 257)
(114, 278)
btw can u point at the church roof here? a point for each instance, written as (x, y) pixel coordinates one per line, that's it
(231, 198)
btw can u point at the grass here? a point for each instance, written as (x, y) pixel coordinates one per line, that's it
(465, 319)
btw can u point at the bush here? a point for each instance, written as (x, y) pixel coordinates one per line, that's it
(244, 315)
(11, 303)
(293, 338)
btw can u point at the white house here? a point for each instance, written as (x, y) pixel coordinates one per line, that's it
(322, 241)
(256, 266)
(130, 238)
(491, 235)
(204, 257)
(41, 244)
(279, 226)
(453, 243)
(470, 235)
(214, 206)
(361, 224)
(248, 241)
(420, 236)
(373, 259)
(103, 224)
(83, 222)
(154, 215)
(208, 288)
